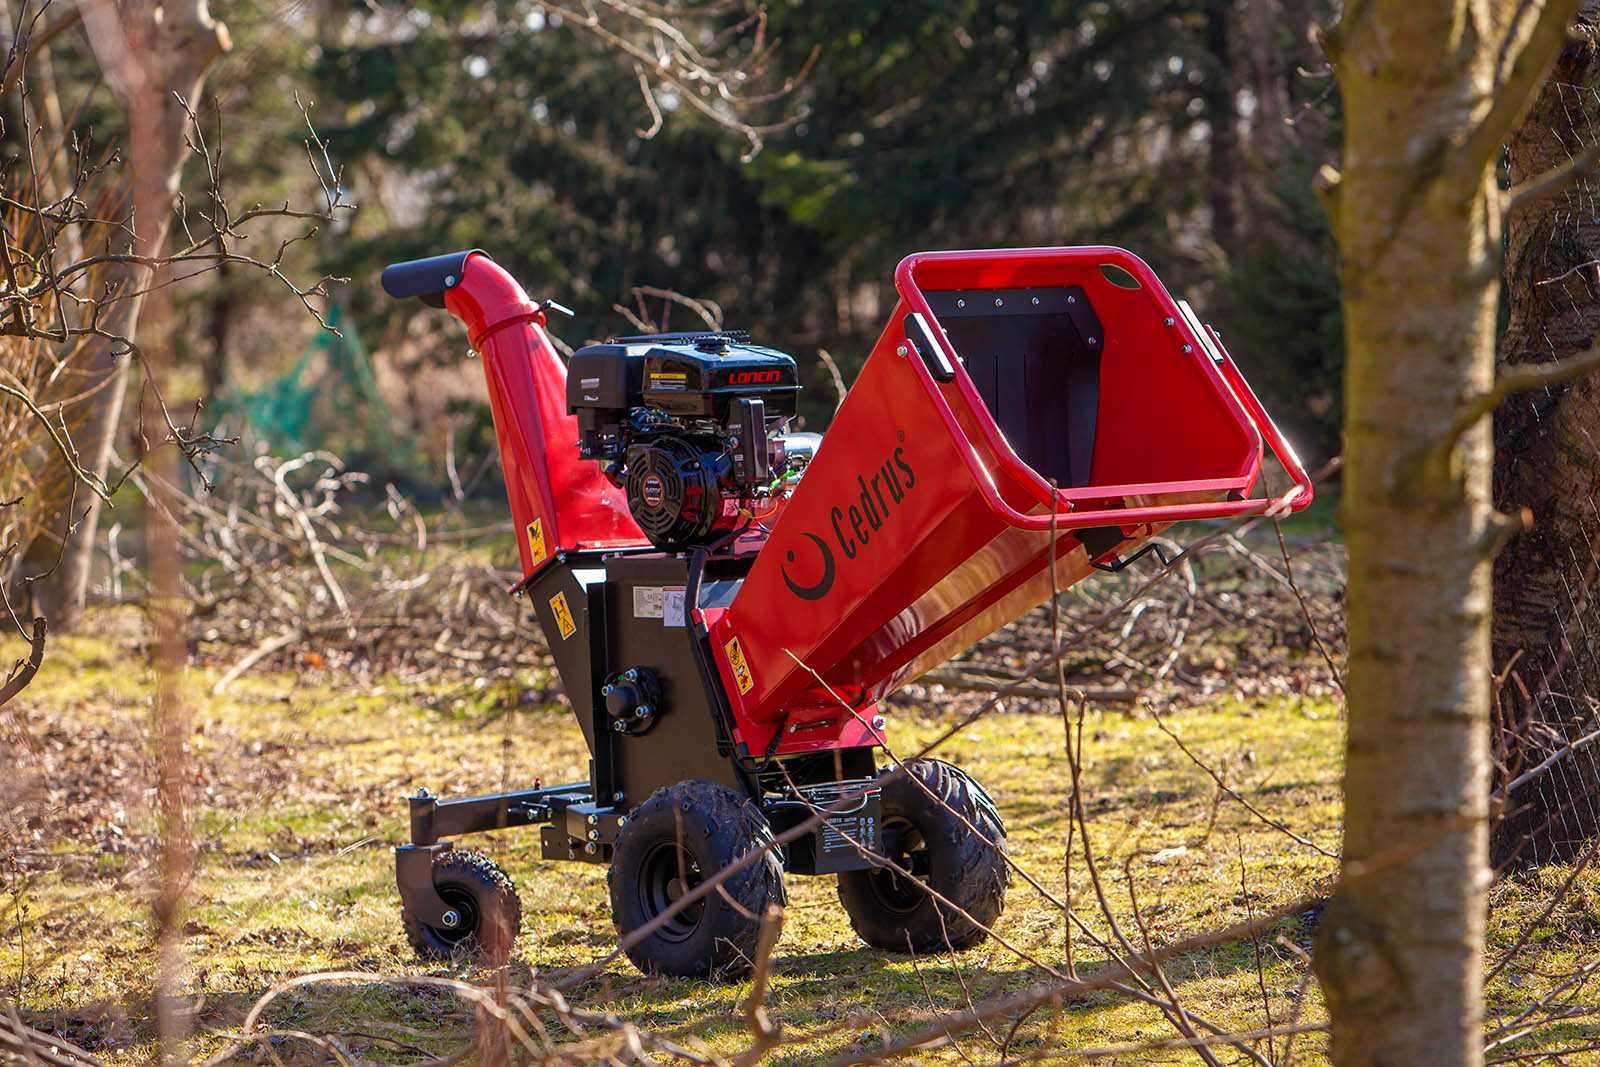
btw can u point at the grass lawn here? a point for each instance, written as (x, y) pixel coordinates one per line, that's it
(298, 785)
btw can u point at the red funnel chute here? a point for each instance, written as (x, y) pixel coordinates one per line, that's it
(924, 523)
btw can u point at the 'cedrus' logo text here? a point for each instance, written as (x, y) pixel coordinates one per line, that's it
(853, 525)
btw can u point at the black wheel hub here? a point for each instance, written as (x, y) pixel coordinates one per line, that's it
(664, 877)
(905, 847)
(462, 903)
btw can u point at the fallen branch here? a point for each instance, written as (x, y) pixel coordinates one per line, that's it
(28, 1045)
(1070, 989)
(966, 683)
(256, 655)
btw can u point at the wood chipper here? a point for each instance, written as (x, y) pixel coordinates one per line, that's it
(728, 603)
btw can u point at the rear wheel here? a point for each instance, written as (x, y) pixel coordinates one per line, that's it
(682, 836)
(484, 902)
(954, 844)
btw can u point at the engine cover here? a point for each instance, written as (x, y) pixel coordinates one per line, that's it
(690, 377)
(679, 493)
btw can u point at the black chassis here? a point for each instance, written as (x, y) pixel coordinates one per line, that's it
(606, 614)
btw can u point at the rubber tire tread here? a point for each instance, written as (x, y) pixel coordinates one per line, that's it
(720, 827)
(968, 869)
(494, 896)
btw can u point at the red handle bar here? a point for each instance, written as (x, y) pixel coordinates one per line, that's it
(1210, 348)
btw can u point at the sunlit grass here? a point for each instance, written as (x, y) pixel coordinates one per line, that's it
(299, 786)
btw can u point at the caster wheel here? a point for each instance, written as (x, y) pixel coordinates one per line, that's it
(896, 914)
(683, 835)
(486, 903)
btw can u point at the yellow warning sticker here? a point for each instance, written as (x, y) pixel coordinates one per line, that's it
(564, 623)
(741, 669)
(536, 541)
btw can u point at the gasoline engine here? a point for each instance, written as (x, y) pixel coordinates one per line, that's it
(691, 426)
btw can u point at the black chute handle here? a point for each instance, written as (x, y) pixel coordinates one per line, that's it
(920, 334)
(425, 279)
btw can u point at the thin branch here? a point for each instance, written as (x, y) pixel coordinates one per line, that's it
(1161, 724)
(1552, 181)
(765, 1034)
(29, 667)
(1510, 100)
(1059, 990)
(63, 447)
(1512, 382)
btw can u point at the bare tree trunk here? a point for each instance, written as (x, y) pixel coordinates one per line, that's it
(187, 40)
(1417, 215)
(221, 307)
(1548, 461)
(1222, 113)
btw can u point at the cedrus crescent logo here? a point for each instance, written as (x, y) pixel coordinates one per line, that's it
(851, 527)
(829, 570)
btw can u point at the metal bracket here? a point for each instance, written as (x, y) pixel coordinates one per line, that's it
(433, 818)
(413, 872)
(1120, 565)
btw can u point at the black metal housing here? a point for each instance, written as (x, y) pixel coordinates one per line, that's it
(628, 612)
(1034, 356)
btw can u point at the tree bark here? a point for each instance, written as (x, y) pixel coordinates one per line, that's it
(1222, 113)
(187, 40)
(1427, 104)
(1547, 460)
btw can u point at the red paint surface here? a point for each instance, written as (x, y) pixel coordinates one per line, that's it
(964, 548)
(545, 479)
(939, 534)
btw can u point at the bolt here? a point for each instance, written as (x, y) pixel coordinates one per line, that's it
(631, 675)
(619, 726)
(449, 280)
(617, 796)
(594, 820)
(1168, 321)
(1187, 349)
(621, 819)
(999, 303)
(961, 303)
(605, 690)
(1035, 301)
(1072, 300)
(422, 792)
(450, 919)
(643, 711)
(877, 722)
(1093, 341)
(900, 350)
(591, 848)
(594, 835)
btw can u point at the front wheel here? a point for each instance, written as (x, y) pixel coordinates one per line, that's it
(679, 838)
(941, 827)
(484, 903)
